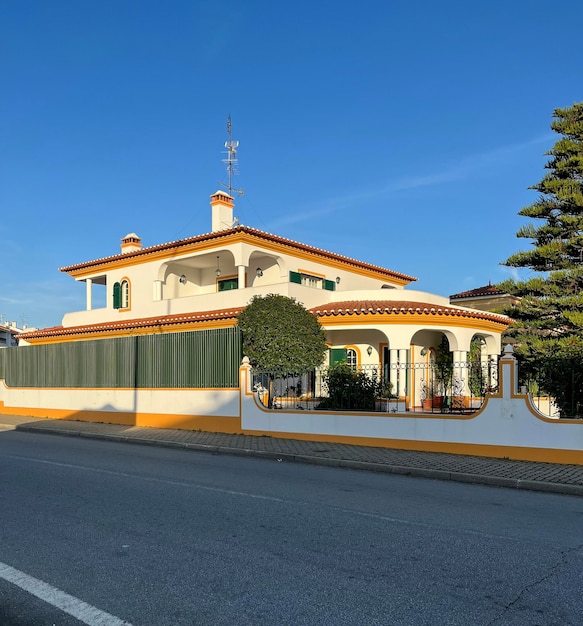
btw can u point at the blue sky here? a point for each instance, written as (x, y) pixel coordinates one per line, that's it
(403, 134)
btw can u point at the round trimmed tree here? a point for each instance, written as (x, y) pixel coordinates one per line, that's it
(281, 336)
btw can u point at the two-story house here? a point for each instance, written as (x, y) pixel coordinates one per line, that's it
(203, 282)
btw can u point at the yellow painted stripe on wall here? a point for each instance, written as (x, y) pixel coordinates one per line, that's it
(331, 322)
(208, 423)
(543, 455)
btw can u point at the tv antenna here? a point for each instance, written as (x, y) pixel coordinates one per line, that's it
(231, 161)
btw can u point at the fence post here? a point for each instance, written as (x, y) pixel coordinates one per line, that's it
(245, 376)
(508, 374)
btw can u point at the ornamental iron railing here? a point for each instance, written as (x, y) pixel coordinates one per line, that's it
(556, 388)
(461, 387)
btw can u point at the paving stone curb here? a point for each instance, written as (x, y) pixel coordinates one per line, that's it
(419, 472)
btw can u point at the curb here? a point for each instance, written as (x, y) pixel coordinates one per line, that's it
(403, 470)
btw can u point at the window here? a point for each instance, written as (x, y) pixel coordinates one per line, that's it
(121, 295)
(226, 284)
(125, 295)
(311, 281)
(351, 358)
(343, 355)
(308, 280)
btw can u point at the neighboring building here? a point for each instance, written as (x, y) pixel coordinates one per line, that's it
(203, 282)
(9, 333)
(487, 298)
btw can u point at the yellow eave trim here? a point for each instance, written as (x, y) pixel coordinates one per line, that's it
(200, 246)
(130, 332)
(427, 319)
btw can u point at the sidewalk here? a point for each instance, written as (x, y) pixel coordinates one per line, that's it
(566, 479)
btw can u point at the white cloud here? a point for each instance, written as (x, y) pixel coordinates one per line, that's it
(464, 167)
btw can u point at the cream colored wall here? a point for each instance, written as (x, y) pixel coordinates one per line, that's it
(191, 304)
(401, 335)
(200, 291)
(376, 293)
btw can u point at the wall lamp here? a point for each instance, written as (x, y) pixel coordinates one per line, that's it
(218, 270)
(369, 350)
(337, 280)
(423, 351)
(259, 272)
(182, 279)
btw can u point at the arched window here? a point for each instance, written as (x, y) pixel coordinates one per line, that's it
(121, 295)
(125, 294)
(351, 357)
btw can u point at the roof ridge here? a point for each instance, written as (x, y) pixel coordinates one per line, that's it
(230, 231)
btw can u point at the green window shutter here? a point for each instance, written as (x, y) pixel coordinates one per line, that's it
(295, 277)
(116, 296)
(329, 285)
(337, 355)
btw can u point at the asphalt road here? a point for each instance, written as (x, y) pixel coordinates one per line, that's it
(162, 537)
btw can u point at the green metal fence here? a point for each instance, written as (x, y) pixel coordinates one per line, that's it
(197, 359)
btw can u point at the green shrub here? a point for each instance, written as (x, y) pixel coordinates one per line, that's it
(351, 390)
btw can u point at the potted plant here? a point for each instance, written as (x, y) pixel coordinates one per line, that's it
(386, 397)
(428, 397)
(443, 372)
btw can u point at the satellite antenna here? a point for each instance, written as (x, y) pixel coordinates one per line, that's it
(231, 161)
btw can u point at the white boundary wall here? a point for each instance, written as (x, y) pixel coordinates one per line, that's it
(212, 410)
(216, 402)
(508, 424)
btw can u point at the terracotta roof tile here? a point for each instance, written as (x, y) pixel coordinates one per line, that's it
(224, 233)
(165, 321)
(401, 307)
(487, 290)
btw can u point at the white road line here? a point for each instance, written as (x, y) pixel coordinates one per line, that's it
(55, 597)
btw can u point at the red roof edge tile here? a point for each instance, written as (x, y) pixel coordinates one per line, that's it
(148, 322)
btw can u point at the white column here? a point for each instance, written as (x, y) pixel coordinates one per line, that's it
(393, 371)
(89, 293)
(402, 373)
(241, 274)
(157, 292)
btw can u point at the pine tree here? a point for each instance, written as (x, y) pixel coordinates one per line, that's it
(548, 324)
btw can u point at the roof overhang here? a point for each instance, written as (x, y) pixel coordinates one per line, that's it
(240, 234)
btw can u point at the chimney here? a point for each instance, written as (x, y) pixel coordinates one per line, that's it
(222, 211)
(131, 243)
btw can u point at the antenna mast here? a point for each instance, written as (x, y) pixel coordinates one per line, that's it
(231, 161)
